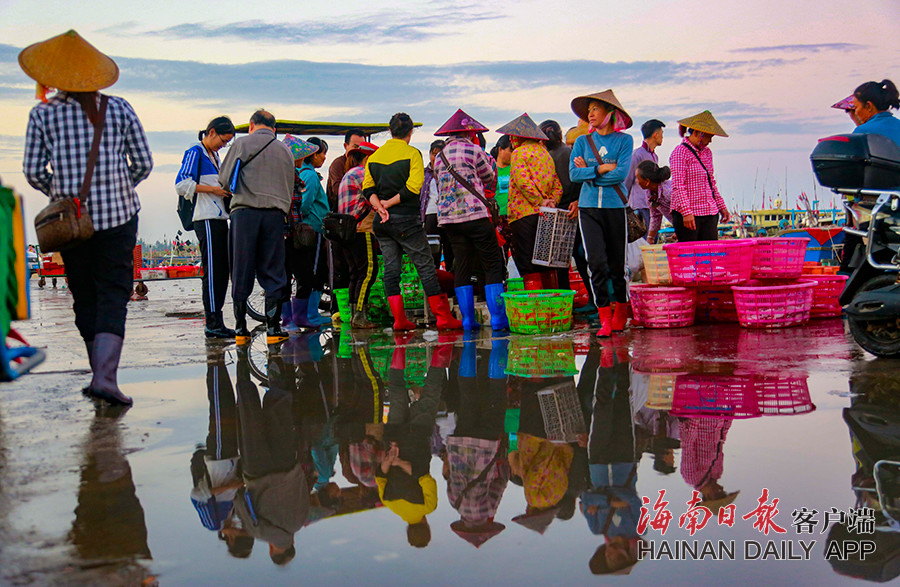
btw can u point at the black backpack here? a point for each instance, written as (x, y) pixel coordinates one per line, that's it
(186, 207)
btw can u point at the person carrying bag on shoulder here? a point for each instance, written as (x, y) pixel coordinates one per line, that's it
(62, 131)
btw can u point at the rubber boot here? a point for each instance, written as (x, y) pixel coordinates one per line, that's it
(398, 358)
(499, 356)
(620, 317)
(468, 360)
(299, 309)
(532, 281)
(105, 365)
(342, 297)
(274, 333)
(241, 334)
(550, 279)
(215, 326)
(441, 309)
(465, 298)
(497, 307)
(361, 319)
(441, 355)
(287, 315)
(605, 314)
(312, 310)
(399, 313)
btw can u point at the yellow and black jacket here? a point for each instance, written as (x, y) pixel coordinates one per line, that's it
(396, 168)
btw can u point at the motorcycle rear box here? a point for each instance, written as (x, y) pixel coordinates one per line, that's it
(867, 161)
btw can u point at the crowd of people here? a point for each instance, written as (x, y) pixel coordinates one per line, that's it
(263, 214)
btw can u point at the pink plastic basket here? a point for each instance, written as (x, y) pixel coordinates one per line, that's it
(663, 307)
(716, 304)
(773, 304)
(740, 397)
(825, 295)
(779, 257)
(710, 262)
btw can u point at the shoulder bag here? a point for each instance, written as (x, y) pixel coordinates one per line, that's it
(185, 207)
(65, 223)
(637, 228)
(708, 174)
(491, 204)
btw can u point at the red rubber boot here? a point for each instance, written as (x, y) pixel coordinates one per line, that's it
(620, 317)
(605, 314)
(532, 281)
(399, 312)
(440, 307)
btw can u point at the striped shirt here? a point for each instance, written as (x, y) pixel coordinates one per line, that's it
(59, 135)
(691, 192)
(702, 441)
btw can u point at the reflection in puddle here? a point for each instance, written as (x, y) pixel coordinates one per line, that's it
(522, 448)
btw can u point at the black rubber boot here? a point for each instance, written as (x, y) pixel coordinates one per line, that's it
(105, 364)
(241, 334)
(361, 319)
(274, 333)
(215, 326)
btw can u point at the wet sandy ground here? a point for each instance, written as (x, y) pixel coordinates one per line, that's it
(90, 498)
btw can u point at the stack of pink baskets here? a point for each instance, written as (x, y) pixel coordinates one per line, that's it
(756, 282)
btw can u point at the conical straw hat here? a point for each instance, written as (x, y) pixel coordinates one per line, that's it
(580, 105)
(460, 122)
(704, 122)
(68, 63)
(523, 127)
(299, 148)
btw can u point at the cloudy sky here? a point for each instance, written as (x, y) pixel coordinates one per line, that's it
(768, 70)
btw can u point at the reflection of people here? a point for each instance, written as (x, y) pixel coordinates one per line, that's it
(274, 503)
(100, 270)
(611, 506)
(702, 458)
(405, 484)
(476, 451)
(109, 520)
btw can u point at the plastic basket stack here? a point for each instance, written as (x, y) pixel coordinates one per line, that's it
(555, 238)
(759, 283)
(740, 396)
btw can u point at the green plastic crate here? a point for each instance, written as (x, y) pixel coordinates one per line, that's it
(541, 311)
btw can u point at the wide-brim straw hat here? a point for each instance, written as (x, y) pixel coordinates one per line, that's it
(364, 147)
(580, 105)
(299, 148)
(523, 127)
(716, 504)
(478, 535)
(460, 122)
(68, 63)
(704, 122)
(846, 104)
(576, 131)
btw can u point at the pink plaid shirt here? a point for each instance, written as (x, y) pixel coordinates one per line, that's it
(702, 441)
(691, 193)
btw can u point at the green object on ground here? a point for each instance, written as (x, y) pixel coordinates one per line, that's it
(541, 311)
(343, 303)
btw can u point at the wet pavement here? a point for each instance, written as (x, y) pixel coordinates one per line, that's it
(316, 460)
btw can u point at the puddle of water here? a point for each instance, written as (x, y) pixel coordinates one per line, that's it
(488, 461)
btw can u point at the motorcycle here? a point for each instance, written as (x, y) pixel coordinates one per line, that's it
(865, 170)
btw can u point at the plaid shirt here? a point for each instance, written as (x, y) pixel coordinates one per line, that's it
(456, 203)
(691, 193)
(350, 197)
(702, 440)
(468, 458)
(59, 134)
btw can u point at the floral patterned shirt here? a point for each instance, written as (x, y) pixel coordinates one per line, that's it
(532, 179)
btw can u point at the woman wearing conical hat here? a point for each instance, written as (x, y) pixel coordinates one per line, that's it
(60, 133)
(601, 159)
(533, 183)
(696, 202)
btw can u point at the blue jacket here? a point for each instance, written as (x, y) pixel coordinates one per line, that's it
(882, 123)
(598, 191)
(314, 205)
